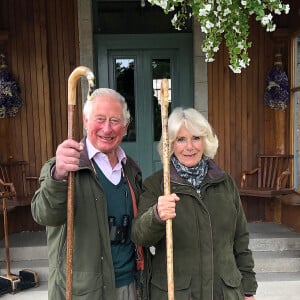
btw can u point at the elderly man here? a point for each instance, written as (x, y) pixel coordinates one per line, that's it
(107, 185)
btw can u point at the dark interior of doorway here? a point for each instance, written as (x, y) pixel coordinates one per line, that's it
(130, 17)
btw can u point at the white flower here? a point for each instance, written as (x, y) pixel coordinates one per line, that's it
(269, 29)
(226, 12)
(240, 45)
(236, 29)
(174, 19)
(277, 11)
(205, 11)
(203, 29)
(242, 63)
(287, 9)
(235, 69)
(162, 3)
(266, 19)
(209, 24)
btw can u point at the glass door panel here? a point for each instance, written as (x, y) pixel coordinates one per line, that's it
(161, 68)
(124, 79)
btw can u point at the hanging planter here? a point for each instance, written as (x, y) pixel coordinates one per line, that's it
(10, 100)
(225, 19)
(277, 90)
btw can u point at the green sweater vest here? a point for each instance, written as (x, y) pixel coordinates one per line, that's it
(119, 203)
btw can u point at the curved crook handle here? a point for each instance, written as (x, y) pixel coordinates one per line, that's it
(72, 83)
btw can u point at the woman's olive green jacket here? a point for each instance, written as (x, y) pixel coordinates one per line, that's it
(93, 271)
(211, 257)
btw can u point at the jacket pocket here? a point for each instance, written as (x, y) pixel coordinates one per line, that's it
(180, 283)
(182, 290)
(232, 286)
(87, 282)
(83, 282)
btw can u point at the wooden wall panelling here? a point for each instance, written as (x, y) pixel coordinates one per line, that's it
(244, 149)
(44, 93)
(53, 69)
(31, 137)
(63, 58)
(61, 111)
(262, 46)
(219, 104)
(236, 121)
(23, 36)
(226, 113)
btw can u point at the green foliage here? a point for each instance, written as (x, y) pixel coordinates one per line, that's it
(228, 19)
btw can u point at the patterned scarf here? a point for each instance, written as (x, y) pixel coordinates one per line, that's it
(194, 175)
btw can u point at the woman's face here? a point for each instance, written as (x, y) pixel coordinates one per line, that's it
(188, 148)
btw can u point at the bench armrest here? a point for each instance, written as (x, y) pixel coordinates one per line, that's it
(280, 179)
(8, 189)
(244, 176)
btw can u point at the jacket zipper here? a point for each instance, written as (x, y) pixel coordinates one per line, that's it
(199, 197)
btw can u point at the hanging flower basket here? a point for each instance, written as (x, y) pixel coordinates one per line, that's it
(277, 90)
(10, 101)
(225, 19)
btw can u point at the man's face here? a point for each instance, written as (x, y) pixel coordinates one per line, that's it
(105, 124)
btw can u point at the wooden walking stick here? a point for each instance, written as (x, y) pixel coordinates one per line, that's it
(26, 278)
(164, 93)
(72, 82)
(10, 281)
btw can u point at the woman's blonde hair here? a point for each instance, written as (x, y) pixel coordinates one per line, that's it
(197, 124)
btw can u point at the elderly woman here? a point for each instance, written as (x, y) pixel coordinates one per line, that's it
(212, 260)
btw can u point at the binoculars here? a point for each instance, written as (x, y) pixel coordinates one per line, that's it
(118, 233)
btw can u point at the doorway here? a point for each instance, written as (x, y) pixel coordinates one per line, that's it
(134, 65)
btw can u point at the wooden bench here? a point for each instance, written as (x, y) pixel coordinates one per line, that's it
(15, 186)
(272, 176)
(270, 179)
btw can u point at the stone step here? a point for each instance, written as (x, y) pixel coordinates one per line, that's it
(275, 243)
(273, 237)
(25, 246)
(276, 261)
(278, 276)
(278, 286)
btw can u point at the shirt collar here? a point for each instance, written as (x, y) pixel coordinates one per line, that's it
(92, 151)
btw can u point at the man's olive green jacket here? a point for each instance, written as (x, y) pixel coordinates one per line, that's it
(93, 271)
(210, 239)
